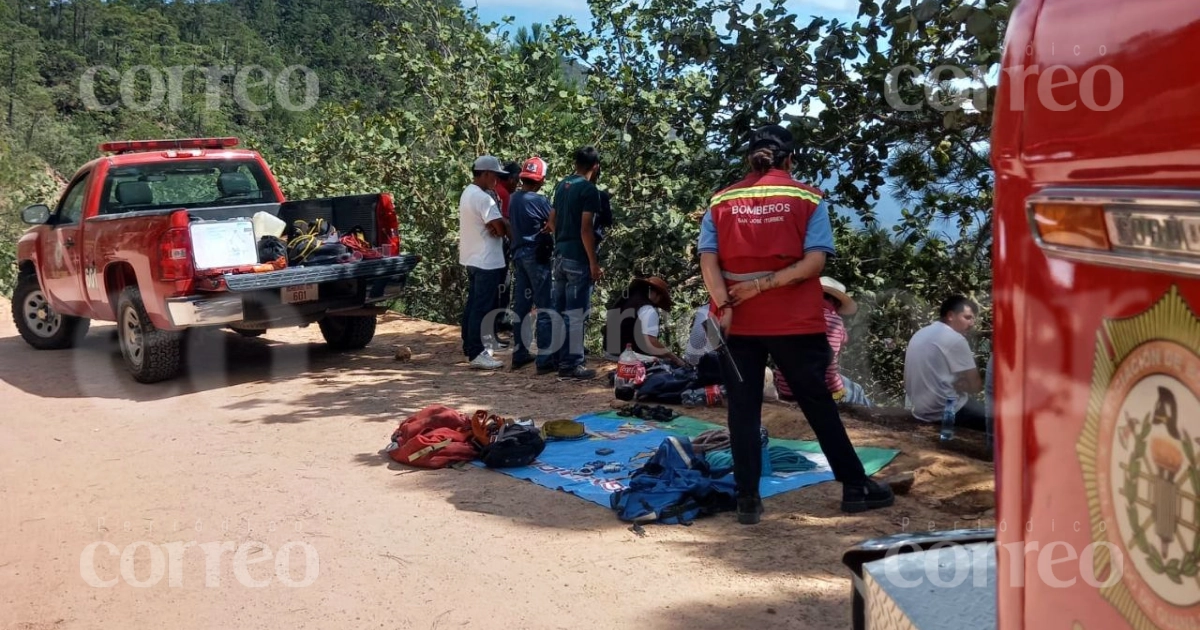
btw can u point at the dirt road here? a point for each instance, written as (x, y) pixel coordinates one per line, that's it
(270, 447)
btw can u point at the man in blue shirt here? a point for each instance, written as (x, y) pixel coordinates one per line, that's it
(532, 249)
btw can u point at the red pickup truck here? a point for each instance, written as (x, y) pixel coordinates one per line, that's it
(159, 237)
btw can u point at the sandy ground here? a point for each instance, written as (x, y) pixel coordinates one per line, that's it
(271, 446)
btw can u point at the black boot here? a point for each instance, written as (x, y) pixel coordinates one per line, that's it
(749, 509)
(866, 495)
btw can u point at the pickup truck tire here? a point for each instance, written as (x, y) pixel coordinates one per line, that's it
(40, 326)
(152, 355)
(250, 332)
(348, 333)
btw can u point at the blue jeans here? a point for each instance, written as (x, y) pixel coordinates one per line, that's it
(572, 298)
(532, 289)
(483, 287)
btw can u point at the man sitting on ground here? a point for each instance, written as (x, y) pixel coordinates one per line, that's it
(940, 366)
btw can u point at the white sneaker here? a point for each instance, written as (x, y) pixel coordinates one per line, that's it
(485, 362)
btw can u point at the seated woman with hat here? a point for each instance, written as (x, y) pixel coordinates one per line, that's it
(633, 320)
(837, 304)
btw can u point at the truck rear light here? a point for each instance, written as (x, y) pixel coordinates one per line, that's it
(175, 251)
(175, 261)
(1071, 225)
(389, 224)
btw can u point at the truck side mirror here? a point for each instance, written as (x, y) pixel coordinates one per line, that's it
(37, 214)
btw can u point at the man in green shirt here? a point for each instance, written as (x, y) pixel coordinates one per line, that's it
(576, 266)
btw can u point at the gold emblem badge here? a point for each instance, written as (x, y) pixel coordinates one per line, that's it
(1140, 452)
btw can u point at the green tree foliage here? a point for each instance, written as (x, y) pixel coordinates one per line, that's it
(668, 90)
(24, 180)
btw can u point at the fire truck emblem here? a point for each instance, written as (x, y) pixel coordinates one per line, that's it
(1140, 453)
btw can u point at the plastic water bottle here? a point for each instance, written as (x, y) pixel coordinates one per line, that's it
(948, 421)
(694, 398)
(628, 366)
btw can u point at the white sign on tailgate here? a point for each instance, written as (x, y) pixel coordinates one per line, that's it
(298, 293)
(223, 244)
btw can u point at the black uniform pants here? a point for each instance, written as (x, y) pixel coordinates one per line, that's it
(803, 360)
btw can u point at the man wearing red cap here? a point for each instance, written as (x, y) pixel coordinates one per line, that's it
(532, 250)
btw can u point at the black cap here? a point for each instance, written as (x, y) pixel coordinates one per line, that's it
(773, 136)
(513, 169)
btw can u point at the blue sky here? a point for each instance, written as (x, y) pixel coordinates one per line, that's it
(526, 12)
(529, 11)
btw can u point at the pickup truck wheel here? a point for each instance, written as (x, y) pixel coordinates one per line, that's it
(38, 324)
(348, 333)
(152, 355)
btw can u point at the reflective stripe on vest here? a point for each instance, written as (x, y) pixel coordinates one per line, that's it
(766, 191)
(762, 224)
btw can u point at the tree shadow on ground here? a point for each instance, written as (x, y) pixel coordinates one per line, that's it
(825, 609)
(370, 384)
(213, 359)
(798, 545)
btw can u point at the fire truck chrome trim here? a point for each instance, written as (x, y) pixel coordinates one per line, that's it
(1180, 208)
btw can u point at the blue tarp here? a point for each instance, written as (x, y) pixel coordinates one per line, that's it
(633, 442)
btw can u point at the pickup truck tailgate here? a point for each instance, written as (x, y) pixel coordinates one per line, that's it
(400, 265)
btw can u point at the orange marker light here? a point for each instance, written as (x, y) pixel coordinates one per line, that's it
(1071, 225)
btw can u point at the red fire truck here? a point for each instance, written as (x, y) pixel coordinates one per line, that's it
(1096, 149)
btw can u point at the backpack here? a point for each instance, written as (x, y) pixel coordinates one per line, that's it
(515, 445)
(675, 487)
(434, 437)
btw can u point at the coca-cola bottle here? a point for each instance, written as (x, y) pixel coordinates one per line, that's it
(628, 369)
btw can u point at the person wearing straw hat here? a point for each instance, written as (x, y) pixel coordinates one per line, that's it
(837, 304)
(633, 319)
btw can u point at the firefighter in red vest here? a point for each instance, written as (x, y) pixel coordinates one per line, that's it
(763, 244)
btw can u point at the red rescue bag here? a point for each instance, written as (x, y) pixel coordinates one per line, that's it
(434, 437)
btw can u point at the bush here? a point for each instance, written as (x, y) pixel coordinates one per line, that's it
(24, 180)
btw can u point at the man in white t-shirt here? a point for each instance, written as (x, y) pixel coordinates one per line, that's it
(481, 232)
(940, 366)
